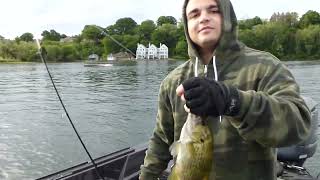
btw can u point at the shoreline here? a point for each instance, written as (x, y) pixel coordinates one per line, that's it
(2, 61)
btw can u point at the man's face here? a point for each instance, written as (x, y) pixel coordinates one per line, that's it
(204, 22)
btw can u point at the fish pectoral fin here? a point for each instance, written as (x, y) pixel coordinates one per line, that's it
(174, 148)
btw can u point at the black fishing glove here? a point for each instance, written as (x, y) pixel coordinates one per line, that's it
(205, 97)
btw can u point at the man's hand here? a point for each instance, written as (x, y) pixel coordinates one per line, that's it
(206, 97)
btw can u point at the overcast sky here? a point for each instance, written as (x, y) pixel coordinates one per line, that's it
(70, 16)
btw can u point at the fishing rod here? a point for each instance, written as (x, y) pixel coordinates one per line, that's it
(42, 54)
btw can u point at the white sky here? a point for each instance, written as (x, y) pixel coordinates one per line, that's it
(70, 16)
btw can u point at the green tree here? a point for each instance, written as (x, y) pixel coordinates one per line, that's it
(77, 39)
(309, 18)
(180, 32)
(89, 47)
(26, 51)
(166, 34)
(54, 53)
(248, 36)
(111, 30)
(7, 50)
(125, 26)
(130, 42)
(308, 42)
(109, 46)
(145, 31)
(17, 40)
(69, 52)
(249, 23)
(271, 37)
(51, 35)
(166, 20)
(90, 32)
(27, 37)
(181, 49)
(289, 19)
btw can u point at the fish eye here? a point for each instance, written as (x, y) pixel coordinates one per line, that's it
(202, 140)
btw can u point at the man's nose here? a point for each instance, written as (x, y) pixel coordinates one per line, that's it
(204, 17)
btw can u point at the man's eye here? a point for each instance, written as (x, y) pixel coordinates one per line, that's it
(193, 15)
(215, 11)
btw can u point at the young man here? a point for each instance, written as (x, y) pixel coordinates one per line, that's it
(255, 97)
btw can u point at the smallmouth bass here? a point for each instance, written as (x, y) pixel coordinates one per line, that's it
(193, 152)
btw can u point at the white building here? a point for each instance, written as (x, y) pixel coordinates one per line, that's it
(152, 52)
(163, 51)
(141, 52)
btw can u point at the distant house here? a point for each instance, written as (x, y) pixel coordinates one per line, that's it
(152, 52)
(141, 52)
(163, 51)
(93, 57)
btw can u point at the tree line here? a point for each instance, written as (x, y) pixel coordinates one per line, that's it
(285, 35)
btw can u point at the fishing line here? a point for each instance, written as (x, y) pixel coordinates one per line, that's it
(43, 58)
(113, 39)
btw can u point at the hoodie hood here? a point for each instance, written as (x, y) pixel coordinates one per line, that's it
(228, 47)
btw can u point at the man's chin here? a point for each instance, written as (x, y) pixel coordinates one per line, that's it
(207, 43)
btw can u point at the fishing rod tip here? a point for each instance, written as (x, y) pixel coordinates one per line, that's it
(38, 44)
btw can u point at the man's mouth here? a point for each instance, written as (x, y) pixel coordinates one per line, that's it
(206, 28)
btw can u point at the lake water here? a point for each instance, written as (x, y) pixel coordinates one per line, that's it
(112, 108)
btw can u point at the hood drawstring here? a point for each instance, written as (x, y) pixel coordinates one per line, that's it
(205, 71)
(215, 75)
(215, 68)
(196, 68)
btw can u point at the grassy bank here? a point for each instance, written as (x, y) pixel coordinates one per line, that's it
(12, 61)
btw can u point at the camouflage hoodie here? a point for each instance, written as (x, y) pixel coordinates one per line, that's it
(272, 113)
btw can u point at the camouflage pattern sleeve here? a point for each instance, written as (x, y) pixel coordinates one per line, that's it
(158, 155)
(274, 114)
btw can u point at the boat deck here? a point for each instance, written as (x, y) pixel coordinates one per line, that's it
(125, 165)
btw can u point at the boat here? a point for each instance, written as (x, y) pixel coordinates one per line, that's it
(119, 59)
(121, 62)
(125, 164)
(97, 64)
